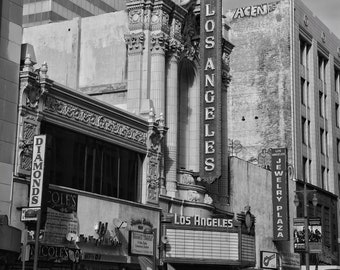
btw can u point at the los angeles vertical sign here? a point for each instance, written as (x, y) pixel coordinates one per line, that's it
(211, 65)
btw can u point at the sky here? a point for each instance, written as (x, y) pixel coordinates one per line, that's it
(328, 11)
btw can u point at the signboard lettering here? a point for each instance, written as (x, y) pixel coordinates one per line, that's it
(254, 11)
(211, 57)
(141, 243)
(38, 161)
(203, 221)
(280, 194)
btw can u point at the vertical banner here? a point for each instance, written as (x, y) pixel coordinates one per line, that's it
(315, 235)
(210, 93)
(280, 194)
(37, 174)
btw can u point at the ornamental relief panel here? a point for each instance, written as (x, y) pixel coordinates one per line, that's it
(94, 120)
(135, 19)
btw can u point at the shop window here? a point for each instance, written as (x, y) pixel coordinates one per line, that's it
(78, 161)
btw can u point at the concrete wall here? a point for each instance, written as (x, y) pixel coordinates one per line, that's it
(10, 45)
(259, 96)
(88, 54)
(251, 186)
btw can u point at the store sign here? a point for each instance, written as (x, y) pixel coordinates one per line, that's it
(280, 194)
(56, 253)
(37, 176)
(211, 63)
(29, 214)
(269, 260)
(203, 221)
(141, 243)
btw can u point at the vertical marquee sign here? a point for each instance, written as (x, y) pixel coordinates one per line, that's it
(211, 66)
(37, 175)
(280, 194)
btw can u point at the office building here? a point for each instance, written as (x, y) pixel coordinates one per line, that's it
(10, 45)
(36, 12)
(285, 93)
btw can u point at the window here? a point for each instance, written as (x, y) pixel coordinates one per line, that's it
(337, 116)
(338, 150)
(322, 140)
(337, 79)
(304, 130)
(303, 92)
(304, 52)
(323, 176)
(78, 161)
(305, 169)
(322, 63)
(322, 104)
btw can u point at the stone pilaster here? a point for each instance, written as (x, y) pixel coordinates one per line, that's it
(135, 46)
(172, 96)
(154, 158)
(33, 85)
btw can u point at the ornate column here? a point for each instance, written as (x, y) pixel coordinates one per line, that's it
(159, 39)
(33, 85)
(172, 96)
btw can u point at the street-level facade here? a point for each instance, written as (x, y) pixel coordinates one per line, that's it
(98, 205)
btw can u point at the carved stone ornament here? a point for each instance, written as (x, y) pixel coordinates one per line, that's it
(26, 145)
(159, 20)
(135, 42)
(208, 199)
(175, 48)
(159, 43)
(193, 196)
(226, 77)
(154, 158)
(187, 179)
(94, 120)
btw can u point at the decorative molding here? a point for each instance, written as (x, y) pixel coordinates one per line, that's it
(175, 48)
(135, 42)
(77, 114)
(159, 42)
(154, 157)
(305, 20)
(323, 37)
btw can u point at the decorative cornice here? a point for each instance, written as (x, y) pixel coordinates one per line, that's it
(77, 114)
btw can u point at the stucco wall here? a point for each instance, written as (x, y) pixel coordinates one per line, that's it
(251, 186)
(259, 97)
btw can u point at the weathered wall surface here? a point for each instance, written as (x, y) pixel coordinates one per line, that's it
(10, 45)
(259, 97)
(251, 186)
(87, 54)
(103, 52)
(58, 45)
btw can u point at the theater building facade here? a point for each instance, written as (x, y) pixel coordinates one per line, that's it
(131, 110)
